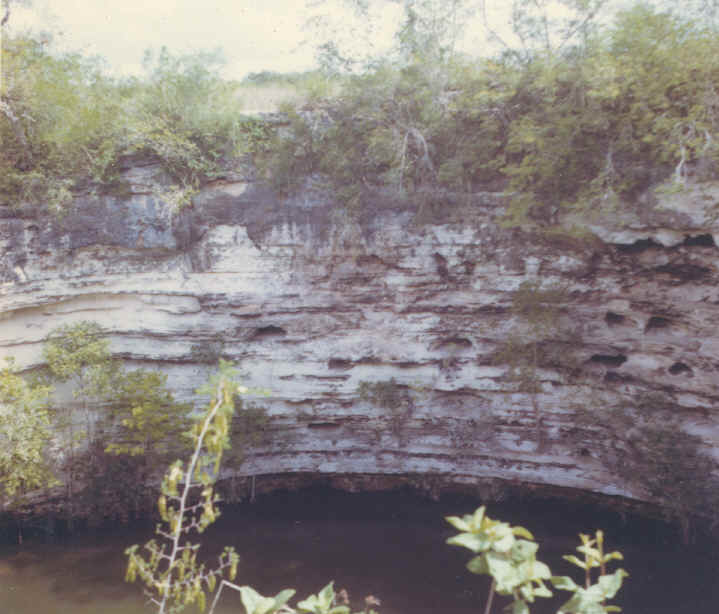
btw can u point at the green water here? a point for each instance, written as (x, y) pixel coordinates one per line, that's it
(390, 546)
(83, 576)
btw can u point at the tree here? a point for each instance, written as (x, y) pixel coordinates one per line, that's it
(146, 425)
(77, 354)
(25, 433)
(149, 420)
(130, 423)
(58, 124)
(65, 124)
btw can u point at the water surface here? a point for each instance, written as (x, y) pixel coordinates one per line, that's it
(387, 545)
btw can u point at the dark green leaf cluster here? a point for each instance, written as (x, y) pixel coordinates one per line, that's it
(25, 431)
(65, 125)
(594, 123)
(114, 432)
(249, 429)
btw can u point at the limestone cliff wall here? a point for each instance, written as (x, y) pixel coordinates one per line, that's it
(311, 302)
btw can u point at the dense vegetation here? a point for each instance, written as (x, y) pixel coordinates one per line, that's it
(66, 125)
(593, 121)
(105, 430)
(577, 113)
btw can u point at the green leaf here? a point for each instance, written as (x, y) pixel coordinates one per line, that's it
(254, 603)
(283, 597)
(563, 583)
(523, 550)
(475, 543)
(505, 542)
(478, 517)
(542, 591)
(539, 571)
(519, 606)
(478, 565)
(610, 584)
(522, 532)
(459, 523)
(573, 559)
(320, 603)
(506, 575)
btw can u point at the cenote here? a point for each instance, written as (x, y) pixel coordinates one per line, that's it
(390, 545)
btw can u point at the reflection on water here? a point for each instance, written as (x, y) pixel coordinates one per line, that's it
(387, 545)
(80, 577)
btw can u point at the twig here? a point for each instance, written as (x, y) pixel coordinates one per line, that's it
(401, 164)
(183, 499)
(488, 605)
(219, 591)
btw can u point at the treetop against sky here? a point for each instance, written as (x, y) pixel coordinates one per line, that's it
(254, 35)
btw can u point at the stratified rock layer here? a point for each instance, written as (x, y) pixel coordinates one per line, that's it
(311, 302)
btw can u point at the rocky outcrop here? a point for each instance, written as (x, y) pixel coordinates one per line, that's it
(311, 302)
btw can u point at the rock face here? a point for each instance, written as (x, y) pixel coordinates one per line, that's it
(311, 302)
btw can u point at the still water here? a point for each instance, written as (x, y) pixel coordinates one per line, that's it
(387, 545)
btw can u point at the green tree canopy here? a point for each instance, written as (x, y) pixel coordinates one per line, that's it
(25, 433)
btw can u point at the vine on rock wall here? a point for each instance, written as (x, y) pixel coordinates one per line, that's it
(532, 346)
(393, 398)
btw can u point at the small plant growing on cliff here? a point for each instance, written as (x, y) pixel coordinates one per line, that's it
(644, 442)
(393, 397)
(171, 572)
(526, 351)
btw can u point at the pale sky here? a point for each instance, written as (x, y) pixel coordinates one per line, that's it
(254, 35)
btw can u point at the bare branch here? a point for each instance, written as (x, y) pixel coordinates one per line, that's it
(401, 164)
(6, 15)
(591, 15)
(492, 33)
